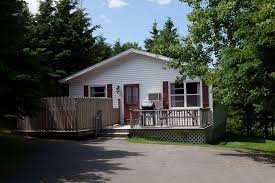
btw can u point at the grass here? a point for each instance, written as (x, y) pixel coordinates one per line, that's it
(250, 143)
(149, 141)
(257, 144)
(14, 150)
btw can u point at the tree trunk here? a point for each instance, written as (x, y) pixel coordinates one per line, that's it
(247, 128)
(272, 128)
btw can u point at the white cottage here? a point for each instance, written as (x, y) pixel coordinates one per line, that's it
(134, 76)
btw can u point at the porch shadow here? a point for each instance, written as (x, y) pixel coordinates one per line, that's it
(71, 161)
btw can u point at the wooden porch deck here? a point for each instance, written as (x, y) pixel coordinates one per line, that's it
(171, 118)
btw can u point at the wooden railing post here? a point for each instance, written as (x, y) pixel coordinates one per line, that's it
(201, 117)
(131, 118)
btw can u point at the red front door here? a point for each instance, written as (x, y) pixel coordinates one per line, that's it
(131, 100)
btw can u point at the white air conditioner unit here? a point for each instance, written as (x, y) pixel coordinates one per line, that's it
(154, 96)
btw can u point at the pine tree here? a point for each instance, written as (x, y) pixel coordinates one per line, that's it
(19, 69)
(118, 47)
(148, 43)
(63, 38)
(101, 49)
(166, 41)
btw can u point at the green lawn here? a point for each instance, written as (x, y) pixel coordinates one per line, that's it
(257, 144)
(14, 151)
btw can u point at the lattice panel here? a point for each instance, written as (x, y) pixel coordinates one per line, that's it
(188, 136)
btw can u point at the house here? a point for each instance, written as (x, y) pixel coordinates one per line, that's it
(134, 76)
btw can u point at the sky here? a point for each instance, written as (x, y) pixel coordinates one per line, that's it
(131, 20)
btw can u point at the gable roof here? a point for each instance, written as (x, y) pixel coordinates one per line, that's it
(112, 59)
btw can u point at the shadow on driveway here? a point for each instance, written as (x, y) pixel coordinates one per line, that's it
(254, 155)
(70, 161)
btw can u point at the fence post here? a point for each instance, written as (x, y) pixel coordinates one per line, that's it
(131, 118)
(76, 103)
(98, 120)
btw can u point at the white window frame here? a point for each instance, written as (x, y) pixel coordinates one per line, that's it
(170, 95)
(92, 86)
(185, 95)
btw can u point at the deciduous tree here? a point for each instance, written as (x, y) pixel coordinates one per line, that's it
(236, 38)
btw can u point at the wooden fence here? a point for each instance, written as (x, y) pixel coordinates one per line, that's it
(69, 114)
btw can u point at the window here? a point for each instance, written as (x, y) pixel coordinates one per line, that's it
(193, 94)
(132, 94)
(98, 91)
(177, 95)
(185, 94)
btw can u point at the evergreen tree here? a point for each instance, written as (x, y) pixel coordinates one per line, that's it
(165, 42)
(148, 43)
(118, 47)
(19, 69)
(62, 37)
(102, 50)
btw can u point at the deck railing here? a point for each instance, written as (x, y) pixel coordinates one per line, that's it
(170, 118)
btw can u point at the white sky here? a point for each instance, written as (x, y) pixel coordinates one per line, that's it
(33, 5)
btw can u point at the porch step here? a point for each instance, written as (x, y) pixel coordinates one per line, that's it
(121, 133)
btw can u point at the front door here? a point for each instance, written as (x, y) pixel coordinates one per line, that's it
(131, 100)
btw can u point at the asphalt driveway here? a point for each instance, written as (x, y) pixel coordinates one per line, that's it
(119, 161)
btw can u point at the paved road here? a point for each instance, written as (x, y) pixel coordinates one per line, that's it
(119, 161)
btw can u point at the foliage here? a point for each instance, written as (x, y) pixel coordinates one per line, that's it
(237, 39)
(118, 47)
(102, 49)
(19, 71)
(166, 41)
(63, 38)
(38, 50)
(149, 42)
(63, 35)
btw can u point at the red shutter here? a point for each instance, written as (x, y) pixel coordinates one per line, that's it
(86, 91)
(109, 90)
(205, 95)
(165, 95)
